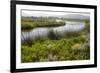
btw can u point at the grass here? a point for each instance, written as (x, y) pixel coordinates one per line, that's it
(28, 24)
(72, 47)
(56, 50)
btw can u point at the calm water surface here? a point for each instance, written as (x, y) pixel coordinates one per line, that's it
(42, 32)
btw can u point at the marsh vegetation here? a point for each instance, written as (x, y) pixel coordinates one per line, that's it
(54, 39)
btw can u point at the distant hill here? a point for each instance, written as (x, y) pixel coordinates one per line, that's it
(76, 17)
(67, 16)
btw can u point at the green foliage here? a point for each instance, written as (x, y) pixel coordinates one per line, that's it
(74, 46)
(87, 27)
(56, 50)
(27, 23)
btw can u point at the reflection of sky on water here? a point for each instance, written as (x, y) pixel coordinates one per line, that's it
(42, 32)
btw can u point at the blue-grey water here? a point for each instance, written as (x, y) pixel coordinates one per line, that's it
(42, 32)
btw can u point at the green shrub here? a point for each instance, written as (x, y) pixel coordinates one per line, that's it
(30, 23)
(56, 50)
(71, 47)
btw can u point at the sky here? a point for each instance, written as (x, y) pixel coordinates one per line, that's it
(48, 13)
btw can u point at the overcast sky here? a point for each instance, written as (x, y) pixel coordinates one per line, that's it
(48, 13)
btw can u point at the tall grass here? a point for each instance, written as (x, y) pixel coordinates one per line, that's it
(27, 24)
(75, 46)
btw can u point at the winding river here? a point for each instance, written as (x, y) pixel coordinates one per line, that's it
(42, 32)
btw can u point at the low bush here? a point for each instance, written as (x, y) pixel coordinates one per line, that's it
(28, 24)
(56, 50)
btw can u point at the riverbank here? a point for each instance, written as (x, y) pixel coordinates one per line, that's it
(30, 23)
(53, 32)
(71, 48)
(74, 43)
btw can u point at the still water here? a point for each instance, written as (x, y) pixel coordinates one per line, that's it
(42, 32)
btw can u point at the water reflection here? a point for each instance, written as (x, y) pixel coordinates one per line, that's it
(69, 27)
